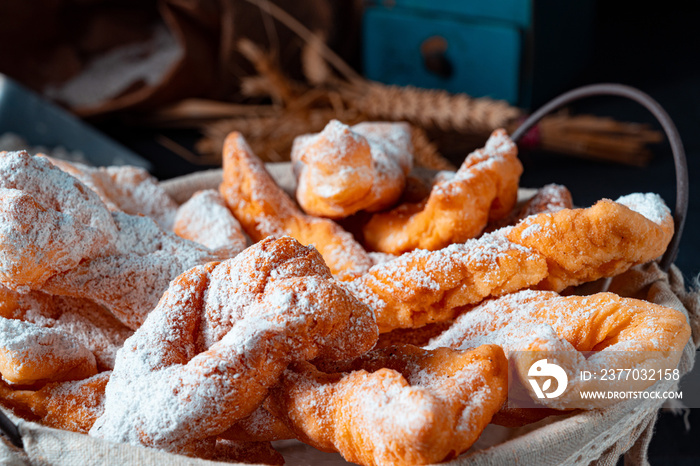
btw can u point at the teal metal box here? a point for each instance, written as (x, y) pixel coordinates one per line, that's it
(522, 51)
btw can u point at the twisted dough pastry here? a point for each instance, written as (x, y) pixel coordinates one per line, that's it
(624, 333)
(220, 338)
(128, 189)
(205, 219)
(91, 324)
(343, 169)
(484, 188)
(265, 210)
(57, 236)
(548, 250)
(400, 405)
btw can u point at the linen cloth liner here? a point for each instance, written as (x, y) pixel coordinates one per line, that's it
(598, 436)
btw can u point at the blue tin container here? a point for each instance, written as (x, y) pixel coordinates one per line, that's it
(521, 51)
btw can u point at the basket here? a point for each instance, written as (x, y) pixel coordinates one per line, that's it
(579, 438)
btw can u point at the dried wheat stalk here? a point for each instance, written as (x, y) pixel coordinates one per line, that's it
(425, 153)
(315, 68)
(430, 107)
(300, 109)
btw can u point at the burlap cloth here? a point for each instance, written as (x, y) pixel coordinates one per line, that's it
(580, 438)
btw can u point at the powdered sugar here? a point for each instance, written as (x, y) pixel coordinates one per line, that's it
(623, 334)
(49, 221)
(129, 277)
(424, 286)
(92, 325)
(220, 337)
(206, 219)
(29, 353)
(343, 169)
(129, 189)
(651, 205)
(399, 405)
(58, 236)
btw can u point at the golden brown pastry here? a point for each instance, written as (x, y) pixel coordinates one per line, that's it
(484, 188)
(220, 338)
(76, 405)
(423, 287)
(548, 199)
(265, 210)
(399, 405)
(344, 169)
(89, 323)
(73, 405)
(582, 245)
(531, 325)
(31, 355)
(548, 250)
(205, 219)
(57, 236)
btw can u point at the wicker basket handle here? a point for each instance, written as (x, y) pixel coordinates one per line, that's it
(674, 139)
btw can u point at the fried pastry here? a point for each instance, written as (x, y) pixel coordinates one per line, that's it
(31, 355)
(547, 199)
(57, 236)
(91, 324)
(548, 251)
(530, 325)
(265, 210)
(343, 169)
(420, 336)
(260, 426)
(76, 405)
(73, 405)
(582, 245)
(220, 338)
(484, 188)
(399, 405)
(205, 219)
(423, 287)
(129, 189)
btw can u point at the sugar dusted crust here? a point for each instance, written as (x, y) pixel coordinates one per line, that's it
(265, 210)
(398, 405)
(206, 219)
(458, 208)
(220, 338)
(345, 169)
(57, 236)
(624, 333)
(280, 340)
